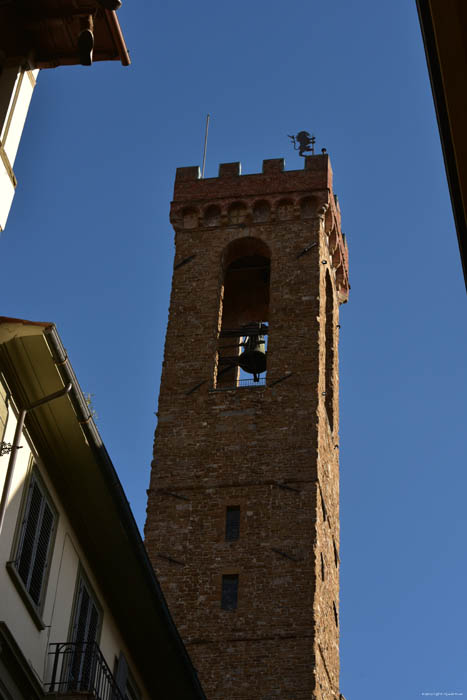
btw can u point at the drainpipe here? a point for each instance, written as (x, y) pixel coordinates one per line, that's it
(15, 446)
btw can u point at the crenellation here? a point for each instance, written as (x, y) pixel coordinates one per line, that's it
(230, 169)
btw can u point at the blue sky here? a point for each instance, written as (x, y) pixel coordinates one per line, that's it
(89, 246)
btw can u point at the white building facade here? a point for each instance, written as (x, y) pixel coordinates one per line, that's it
(80, 610)
(16, 87)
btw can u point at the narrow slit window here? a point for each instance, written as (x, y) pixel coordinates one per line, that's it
(229, 598)
(336, 617)
(322, 567)
(336, 556)
(232, 523)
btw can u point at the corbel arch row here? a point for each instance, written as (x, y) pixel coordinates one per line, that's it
(242, 211)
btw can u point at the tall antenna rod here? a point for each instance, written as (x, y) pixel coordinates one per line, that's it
(205, 145)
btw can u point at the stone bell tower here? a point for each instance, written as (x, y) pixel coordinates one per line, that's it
(243, 506)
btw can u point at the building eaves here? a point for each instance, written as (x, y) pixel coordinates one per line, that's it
(444, 30)
(44, 33)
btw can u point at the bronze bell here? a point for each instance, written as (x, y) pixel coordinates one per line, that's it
(253, 358)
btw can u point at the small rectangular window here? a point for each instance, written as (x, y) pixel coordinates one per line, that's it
(229, 598)
(36, 534)
(232, 523)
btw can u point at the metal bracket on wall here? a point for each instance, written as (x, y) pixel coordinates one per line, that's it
(281, 379)
(197, 386)
(185, 261)
(286, 487)
(307, 249)
(284, 554)
(175, 495)
(171, 559)
(6, 447)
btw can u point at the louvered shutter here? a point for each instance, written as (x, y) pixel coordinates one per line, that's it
(84, 633)
(30, 522)
(122, 673)
(86, 623)
(44, 535)
(33, 551)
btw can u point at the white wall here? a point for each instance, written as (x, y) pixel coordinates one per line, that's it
(16, 88)
(66, 560)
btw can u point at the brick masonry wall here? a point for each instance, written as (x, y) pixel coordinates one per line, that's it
(267, 449)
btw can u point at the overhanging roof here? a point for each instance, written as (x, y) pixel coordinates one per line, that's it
(444, 29)
(35, 364)
(45, 32)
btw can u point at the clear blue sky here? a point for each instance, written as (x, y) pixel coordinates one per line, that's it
(89, 246)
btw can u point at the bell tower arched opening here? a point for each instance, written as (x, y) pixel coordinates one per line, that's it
(242, 341)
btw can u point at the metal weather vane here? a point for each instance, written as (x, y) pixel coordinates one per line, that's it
(303, 142)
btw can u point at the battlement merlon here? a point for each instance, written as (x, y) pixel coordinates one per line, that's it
(316, 175)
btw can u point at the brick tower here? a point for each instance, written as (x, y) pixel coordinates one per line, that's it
(243, 506)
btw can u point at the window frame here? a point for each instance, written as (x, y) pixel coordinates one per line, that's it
(124, 678)
(82, 579)
(35, 609)
(228, 602)
(67, 679)
(132, 691)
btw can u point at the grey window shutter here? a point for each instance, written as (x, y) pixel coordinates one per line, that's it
(86, 623)
(30, 523)
(81, 668)
(121, 675)
(42, 550)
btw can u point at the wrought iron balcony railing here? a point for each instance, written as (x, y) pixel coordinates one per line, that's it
(242, 383)
(79, 667)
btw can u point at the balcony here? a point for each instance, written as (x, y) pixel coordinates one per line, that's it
(80, 670)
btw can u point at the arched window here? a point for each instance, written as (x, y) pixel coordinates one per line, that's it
(330, 334)
(261, 211)
(237, 213)
(285, 210)
(242, 343)
(332, 239)
(190, 218)
(212, 216)
(307, 207)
